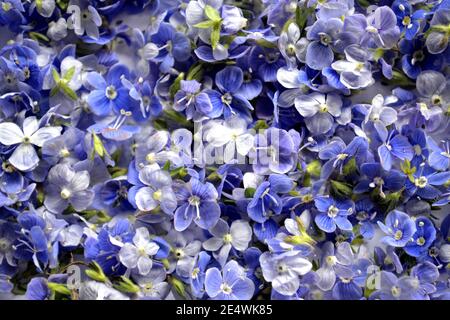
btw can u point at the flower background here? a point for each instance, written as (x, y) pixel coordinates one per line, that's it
(339, 110)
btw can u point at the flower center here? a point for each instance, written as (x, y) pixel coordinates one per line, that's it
(64, 153)
(323, 108)
(227, 238)
(179, 253)
(398, 235)
(111, 92)
(396, 291)
(151, 157)
(194, 200)
(4, 244)
(421, 182)
(157, 195)
(325, 39)
(406, 21)
(332, 211)
(227, 98)
(420, 241)
(195, 273)
(65, 193)
(225, 288)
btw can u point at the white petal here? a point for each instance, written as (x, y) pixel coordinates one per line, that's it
(24, 157)
(44, 134)
(30, 126)
(129, 255)
(241, 234)
(10, 133)
(244, 143)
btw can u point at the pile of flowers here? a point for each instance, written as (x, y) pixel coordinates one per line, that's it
(220, 149)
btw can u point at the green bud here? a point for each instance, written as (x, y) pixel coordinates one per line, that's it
(126, 285)
(313, 168)
(178, 285)
(341, 189)
(58, 287)
(249, 192)
(96, 273)
(212, 13)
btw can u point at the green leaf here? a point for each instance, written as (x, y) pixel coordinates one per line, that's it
(38, 36)
(212, 13)
(215, 35)
(313, 168)
(341, 189)
(98, 145)
(249, 192)
(96, 272)
(176, 85)
(301, 15)
(195, 72)
(69, 74)
(350, 167)
(56, 76)
(178, 285)
(205, 24)
(67, 91)
(126, 285)
(58, 287)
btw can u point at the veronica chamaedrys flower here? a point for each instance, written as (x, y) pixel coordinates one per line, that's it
(355, 71)
(57, 30)
(266, 200)
(232, 134)
(154, 151)
(198, 203)
(292, 46)
(375, 178)
(333, 213)
(425, 182)
(399, 228)
(197, 103)
(153, 284)
(66, 186)
(84, 19)
(319, 110)
(24, 157)
(380, 29)
(439, 157)
(283, 270)
(157, 192)
(273, 151)
(322, 34)
(232, 19)
(237, 236)
(395, 146)
(198, 273)
(227, 99)
(407, 20)
(437, 40)
(171, 46)
(230, 284)
(433, 88)
(109, 94)
(422, 239)
(138, 253)
(380, 115)
(424, 275)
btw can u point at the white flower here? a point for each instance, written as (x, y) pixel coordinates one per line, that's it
(24, 156)
(137, 254)
(232, 134)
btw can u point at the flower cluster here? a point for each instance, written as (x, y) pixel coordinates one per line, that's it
(220, 149)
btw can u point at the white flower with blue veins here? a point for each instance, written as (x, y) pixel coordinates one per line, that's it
(24, 156)
(138, 254)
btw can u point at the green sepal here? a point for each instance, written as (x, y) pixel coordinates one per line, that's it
(59, 287)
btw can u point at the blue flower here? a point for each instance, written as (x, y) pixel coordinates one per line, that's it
(407, 20)
(230, 284)
(398, 227)
(109, 94)
(228, 100)
(322, 34)
(333, 213)
(422, 239)
(197, 203)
